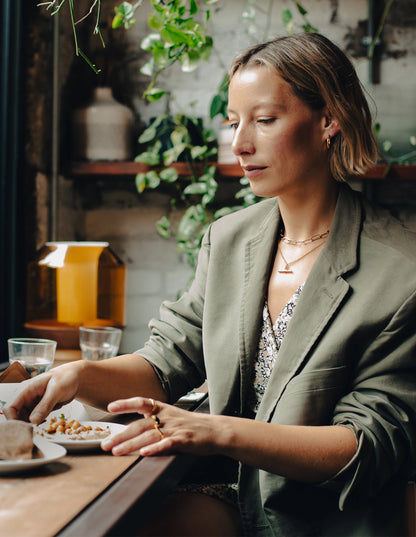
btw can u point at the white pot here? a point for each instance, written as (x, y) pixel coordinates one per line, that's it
(103, 129)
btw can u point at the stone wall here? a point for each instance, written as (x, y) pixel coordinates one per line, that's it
(110, 209)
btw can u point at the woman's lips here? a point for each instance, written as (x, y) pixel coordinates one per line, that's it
(253, 171)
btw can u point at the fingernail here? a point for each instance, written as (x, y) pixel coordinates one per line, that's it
(36, 417)
(105, 444)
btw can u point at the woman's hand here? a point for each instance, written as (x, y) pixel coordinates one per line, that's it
(44, 393)
(309, 454)
(164, 428)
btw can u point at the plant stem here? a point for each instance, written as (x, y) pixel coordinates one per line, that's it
(376, 38)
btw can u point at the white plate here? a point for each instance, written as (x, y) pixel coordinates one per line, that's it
(82, 445)
(51, 452)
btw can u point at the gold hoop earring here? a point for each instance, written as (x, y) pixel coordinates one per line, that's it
(328, 142)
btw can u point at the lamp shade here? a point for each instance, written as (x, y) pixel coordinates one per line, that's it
(73, 284)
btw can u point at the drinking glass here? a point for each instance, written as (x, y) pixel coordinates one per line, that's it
(36, 355)
(99, 343)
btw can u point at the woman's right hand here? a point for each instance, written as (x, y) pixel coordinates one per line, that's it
(44, 393)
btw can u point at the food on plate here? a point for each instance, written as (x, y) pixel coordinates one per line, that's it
(73, 429)
(16, 440)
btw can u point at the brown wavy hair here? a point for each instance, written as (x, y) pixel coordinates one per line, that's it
(320, 74)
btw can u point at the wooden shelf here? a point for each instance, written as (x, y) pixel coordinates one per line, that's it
(132, 168)
(123, 168)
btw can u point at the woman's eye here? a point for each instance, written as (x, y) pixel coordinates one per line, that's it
(266, 121)
(233, 125)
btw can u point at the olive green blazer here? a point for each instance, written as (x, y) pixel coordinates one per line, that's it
(348, 357)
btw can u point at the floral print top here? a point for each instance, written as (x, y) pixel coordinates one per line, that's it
(271, 338)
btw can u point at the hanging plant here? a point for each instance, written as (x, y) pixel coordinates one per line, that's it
(178, 34)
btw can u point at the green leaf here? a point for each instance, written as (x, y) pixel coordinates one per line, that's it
(301, 9)
(190, 61)
(140, 182)
(148, 68)
(124, 14)
(117, 21)
(193, 217)
(171, 155)
(150, 41)
(152, 179)
(179, 135)
(387, 145)
(154, 94)
(148, 135)
(151, 158)
(377, 128)
(169, 175)
(163, 227)
(207, 198)
(147, 180)
(161, 57)
(195, 188)
(308, 28)
(287, 17)
(155, 21)
(217, 106)
(210, 135)
(206, 49)
(197, 151)
(193, 7)
(242, 192)
(226, 210)
(171, 34)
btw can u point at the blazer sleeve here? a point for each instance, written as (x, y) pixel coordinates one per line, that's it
(175, 345)
(381, 410)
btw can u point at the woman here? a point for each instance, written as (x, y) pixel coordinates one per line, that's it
(299, 317)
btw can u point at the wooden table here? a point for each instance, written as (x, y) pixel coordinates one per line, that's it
(90, 494)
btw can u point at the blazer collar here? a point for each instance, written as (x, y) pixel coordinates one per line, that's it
(321, 297)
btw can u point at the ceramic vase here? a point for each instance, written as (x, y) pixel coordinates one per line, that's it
(103, 129)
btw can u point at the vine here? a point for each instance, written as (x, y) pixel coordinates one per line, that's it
(178, 34)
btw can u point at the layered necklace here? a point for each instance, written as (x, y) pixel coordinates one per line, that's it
(314, 238)
(288, 264)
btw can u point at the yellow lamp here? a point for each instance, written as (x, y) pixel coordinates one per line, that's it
(72, 284)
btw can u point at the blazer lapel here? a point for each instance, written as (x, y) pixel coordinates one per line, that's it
(258, 256)
(322, 296)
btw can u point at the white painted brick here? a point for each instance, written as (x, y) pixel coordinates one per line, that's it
(144, 282)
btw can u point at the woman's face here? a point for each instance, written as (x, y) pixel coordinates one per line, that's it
(279, 141)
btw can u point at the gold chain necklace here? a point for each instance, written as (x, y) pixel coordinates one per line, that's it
(287, 269)
(314, 238)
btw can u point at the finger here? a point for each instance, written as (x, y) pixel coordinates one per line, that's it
(134, 445)
(141, 405)
(134, 429)
(48, 403)
(25, 401)
(11, 413)
(132, 439)
(163, 445)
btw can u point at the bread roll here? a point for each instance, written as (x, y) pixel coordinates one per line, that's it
(16, 440)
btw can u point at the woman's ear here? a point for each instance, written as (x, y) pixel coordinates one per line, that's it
(331, 124)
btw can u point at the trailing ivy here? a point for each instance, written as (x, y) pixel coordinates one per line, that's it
(177, 35)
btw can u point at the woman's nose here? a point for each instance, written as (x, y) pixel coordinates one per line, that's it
(242, 142)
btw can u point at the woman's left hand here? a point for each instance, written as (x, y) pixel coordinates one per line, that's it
(163, 428)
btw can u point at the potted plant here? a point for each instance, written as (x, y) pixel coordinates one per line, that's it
(180, 152)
